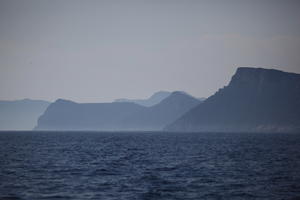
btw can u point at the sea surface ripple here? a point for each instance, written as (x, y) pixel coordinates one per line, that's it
(149, 165)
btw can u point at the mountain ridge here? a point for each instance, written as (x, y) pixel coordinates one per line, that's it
(255, 100)
(152, 100)
(69, 115)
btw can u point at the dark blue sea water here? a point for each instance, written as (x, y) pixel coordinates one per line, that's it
(93, 165)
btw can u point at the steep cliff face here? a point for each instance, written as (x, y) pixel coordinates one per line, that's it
(256, 99)
(21, 114)
(68, 115)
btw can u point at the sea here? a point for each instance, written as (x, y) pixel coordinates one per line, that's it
(148, 165)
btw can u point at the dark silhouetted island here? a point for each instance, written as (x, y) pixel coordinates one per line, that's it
(256, 100)
(116, 116)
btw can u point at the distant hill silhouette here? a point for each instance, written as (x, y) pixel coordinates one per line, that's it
(154, 99)
(21, 114)
(256, 100)
(68, 115)
(159, 115)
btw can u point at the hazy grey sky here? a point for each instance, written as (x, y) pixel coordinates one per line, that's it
(93, 51)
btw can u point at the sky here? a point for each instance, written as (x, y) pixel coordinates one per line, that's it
(98, 51)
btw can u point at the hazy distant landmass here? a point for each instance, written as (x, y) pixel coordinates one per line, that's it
(158, 116)
(154, 99)
(68, 115)
(256, 100)
(21, 114)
